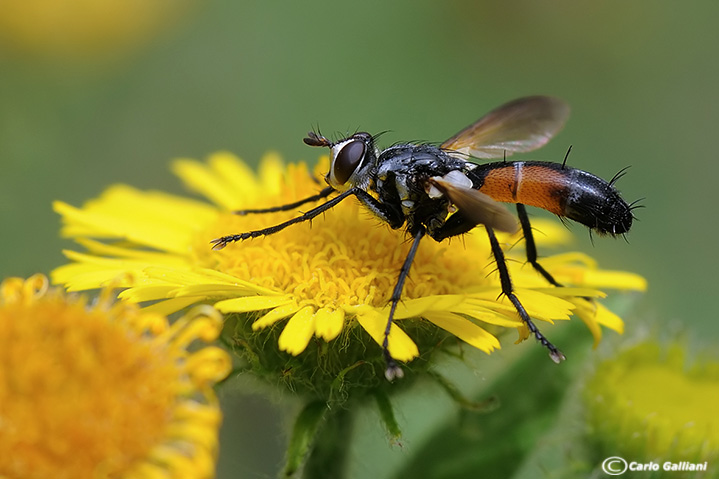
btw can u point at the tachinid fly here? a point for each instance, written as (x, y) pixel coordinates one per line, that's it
(437, 191)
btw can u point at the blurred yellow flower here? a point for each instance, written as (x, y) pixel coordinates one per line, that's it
(84, 28)
(104, 390)
(321, 278)
(650, 403)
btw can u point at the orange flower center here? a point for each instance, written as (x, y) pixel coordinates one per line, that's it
(81, 396)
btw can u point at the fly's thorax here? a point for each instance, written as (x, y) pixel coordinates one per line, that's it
(417, 160)
(402, 175)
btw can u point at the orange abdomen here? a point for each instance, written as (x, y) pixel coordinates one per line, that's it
(531, 184)
(559, 189)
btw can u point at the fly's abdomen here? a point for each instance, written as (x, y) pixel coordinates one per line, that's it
(561, 190)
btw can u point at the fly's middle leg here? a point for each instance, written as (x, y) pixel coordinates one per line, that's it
(531, 246)
(393, 370)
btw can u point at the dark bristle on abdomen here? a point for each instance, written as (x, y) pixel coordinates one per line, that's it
(596, 204)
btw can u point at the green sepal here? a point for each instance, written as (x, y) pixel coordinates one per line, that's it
(386, 413)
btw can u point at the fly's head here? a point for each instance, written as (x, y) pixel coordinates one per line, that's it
(351, 159)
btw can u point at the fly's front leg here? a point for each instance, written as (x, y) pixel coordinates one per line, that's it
(392, 216)
(219, 243)
(290, 206)
(508, 291)
(531, 246)
(393, 370)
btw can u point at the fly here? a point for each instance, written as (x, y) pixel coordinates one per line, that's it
(437, 191)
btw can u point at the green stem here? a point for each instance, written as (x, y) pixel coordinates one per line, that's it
(328, 457)
(319, 443)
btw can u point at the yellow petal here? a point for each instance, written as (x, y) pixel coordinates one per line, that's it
(329, 323)
(215, 290)
(586, 311)
(252, 303)
(201, 276)
(236, 176)
(565, 259)
(465, 330)
(140, 294)
(200, 179)
(480, 313)
(275, 315)
(81, 276)
(161, 221)
(401, 347)
(570, 292)
(539, 305)
(298, 331)
(271, 172)
(547, 233)
(609, 319)
(149, 257)
(614, 279)
(170, 306)
(414, 308)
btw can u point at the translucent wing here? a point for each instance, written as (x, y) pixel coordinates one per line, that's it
(520, 125)
(476, 206)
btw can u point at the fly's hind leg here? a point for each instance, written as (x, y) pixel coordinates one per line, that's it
(531, 246)
(458, 224)
(508, 290)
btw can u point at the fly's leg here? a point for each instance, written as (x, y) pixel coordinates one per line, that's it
(393, 370)
(291, 206)
(531, 246)
(219, 243)
(508, 291)
(393, 217)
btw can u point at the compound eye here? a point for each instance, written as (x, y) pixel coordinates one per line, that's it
(348, 160)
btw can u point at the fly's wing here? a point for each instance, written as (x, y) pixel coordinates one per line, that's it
(520, 125)
(476, 206)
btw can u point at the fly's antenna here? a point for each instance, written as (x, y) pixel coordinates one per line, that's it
(316, 139)
(566, 155)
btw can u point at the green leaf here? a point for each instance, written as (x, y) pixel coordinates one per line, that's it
(498, 444)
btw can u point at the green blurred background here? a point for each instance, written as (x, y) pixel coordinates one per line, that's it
(642, 79)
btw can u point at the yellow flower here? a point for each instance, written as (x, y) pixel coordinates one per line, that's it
(319, 279)
(651, 404)
(77, 29)
(104, 390)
